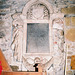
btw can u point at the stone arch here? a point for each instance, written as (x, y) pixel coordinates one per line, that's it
(44, 2)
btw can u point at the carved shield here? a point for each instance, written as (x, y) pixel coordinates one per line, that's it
(38, 12)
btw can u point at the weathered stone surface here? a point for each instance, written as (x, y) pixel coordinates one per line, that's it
(14, 68)
(68, 61)
(68, 57)
(70, 34)
(8, 55)
(71, 1)
(70, 53)
(73, 21)
(69, 10)
(69, 73)
(2, 34)
(58, 24)
(67, 21)
(70, 21)
(1, 22)
(16, 15)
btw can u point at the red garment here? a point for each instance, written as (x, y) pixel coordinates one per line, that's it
(0, 68)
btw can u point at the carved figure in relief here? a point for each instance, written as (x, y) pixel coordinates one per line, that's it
(58, 38)
(46, 65)
(17, 36)
(58, 33)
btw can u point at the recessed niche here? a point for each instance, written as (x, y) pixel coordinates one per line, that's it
(37, 38)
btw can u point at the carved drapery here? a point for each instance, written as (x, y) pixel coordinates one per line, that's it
(17, 37)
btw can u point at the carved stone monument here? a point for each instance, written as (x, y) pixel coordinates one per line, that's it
(39, 11)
